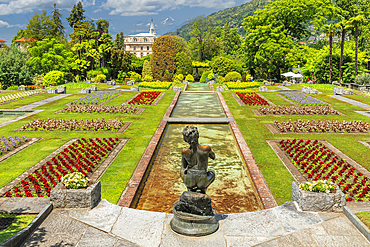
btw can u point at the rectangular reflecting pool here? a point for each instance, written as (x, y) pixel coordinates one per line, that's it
(5, 116)
(231, 192)
(198, 87)
(198, 105)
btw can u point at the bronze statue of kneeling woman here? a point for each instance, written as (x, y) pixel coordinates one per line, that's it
(195, 162)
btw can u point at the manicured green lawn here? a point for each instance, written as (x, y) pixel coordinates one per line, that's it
(364, 217)
(26, 101)
(256, 134)
(20, 222)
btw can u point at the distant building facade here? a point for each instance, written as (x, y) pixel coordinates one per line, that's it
(2, 43)
(141, 44)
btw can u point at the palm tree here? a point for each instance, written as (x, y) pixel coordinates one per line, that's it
(330, 30)
(355, 22)
(341, 30)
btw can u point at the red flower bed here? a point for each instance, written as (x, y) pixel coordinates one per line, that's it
(252, 99)
(315, 161)
(82, 155)
(145, 98)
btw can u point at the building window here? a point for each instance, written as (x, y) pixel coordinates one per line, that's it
(135, 40)
(141, 48)
(145, 40)
(147, 48)
(134, 48)
(141, 55)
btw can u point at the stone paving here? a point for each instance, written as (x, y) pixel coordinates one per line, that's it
(41, 102)
(112, 225)
(284, 88)
(351, 101)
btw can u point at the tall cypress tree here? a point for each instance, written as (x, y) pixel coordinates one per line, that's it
(77, 15)
(58, 25)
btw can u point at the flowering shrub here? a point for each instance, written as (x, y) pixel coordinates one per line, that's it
(298, 110)
(73, 125)
(303, 99)
(53, 77)
(83, 155)
(189, 78)
(252, 99)
(100, 78)
(233, 76)
(18, 96)
(318, 186)
(315, 161)
(241, 85)
(145, 98)
(75, 180)
(8, 143)
(99, 109)
(322, 126)
(94, 98)
(156, 85)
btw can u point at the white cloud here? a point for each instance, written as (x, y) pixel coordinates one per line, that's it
(27, 6)
(6, 24)
(148, 7)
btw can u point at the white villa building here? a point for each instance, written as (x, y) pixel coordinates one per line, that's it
(141, 44)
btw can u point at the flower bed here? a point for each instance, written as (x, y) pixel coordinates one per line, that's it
(320, 86)
(72, 125)
(303, 99)
(94, 98)
(83, 155)
(9, 143)
(315, 161)
(322, 126)
(99, 109)
(241, 85)
(145, 98)
(155, 85)
(79, 85)
(17, 96)
(298, 110)
(252, 99)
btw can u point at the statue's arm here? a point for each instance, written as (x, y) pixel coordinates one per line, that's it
(212, 155)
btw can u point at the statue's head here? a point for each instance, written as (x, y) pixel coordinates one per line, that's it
(190, 134)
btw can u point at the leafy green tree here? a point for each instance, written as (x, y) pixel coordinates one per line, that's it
(40, 26)
(330, 30)
(77, 15)
(355, 22)
(230, 40)
(102, 25)
(58, 25)
(183, 57)
(13, 67)
(105, 46)
(223, 66)
(120, 61)
(48, 55)
(163, 58)
(147, 71)
(20, 34)
(120, 40)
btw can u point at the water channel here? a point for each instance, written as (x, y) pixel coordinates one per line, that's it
(231, 192)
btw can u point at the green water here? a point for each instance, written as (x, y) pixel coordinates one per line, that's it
(10, 115)
(198, 87)
(198, 105)
(231, 192)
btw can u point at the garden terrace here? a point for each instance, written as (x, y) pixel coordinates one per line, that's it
(251, 99)
(100, 109)
(73, 125)
(297, 110)
(333, 126)
(94, 98)
(145, 98)
(155, 85)
(315, 161)
(237, 86)
(302, 99)
(17, 96)
(82, 155)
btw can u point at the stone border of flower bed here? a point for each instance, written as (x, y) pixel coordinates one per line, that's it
(121, 130)
(294, 171)
(275, 131)
(20, 148)
(258, 113)
(241, 103)
(154, 103)
(96, 175)
(127, 198)
(140, 110)
(21, 98)
(259, 182)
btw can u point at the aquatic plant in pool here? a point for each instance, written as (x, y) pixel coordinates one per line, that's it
(303, 99)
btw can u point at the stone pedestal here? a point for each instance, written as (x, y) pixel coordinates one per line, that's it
(318, 201)
(61, 197)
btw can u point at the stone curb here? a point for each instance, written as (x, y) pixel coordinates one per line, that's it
(357, 222)
(21, 236)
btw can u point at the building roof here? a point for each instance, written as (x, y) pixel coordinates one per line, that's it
(142, 35)
(25, 40)
(2, 40)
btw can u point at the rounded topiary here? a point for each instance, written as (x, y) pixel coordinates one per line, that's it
(53, 77)
(189, 78)
(100, 78)
(233, 76)
(180, 77)
(204, 76)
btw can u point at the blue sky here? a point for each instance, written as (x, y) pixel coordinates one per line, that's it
(127, 16)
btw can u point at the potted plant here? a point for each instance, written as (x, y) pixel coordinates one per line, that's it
(318, 196)
(76, 191)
